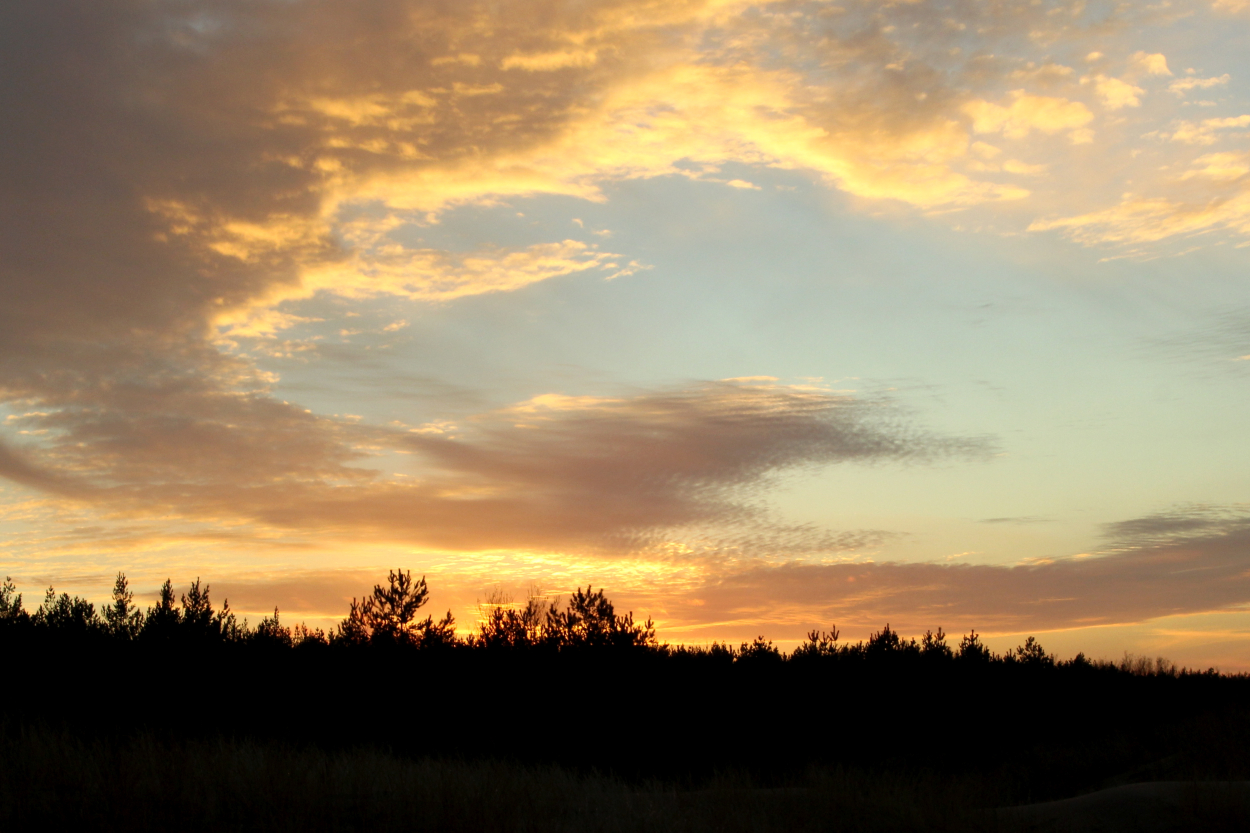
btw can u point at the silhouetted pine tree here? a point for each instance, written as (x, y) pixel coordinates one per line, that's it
(933, 646)
(504, 626)
(13, 617)
(1032, 654)
(270, 632)
(200, 622)
(69, 616)
(589, 620)
(389, 616)
(304, 636)
(122, 619)
(162, 620)
(440, 634)
(352, 630)
(972, 650)
(760, 650)
(819, 645)
(391, 612)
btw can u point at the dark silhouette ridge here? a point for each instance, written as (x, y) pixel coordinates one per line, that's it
(574, 683)
(587, 622)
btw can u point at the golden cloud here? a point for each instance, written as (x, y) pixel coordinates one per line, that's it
(1149, 63)
(1232, 6)
(1115, 93)
(1025, 113)
(1207, 131)
(1150, 219)
(1183, 85)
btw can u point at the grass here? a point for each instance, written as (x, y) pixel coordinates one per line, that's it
(182, 779)
(142, 783)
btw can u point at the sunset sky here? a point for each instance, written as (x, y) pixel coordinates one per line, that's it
(761, 315)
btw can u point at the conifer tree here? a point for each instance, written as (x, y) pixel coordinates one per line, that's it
(933, 645)
(11, 603)
(589, 619)
(270, 631)
(164, 617)
(391, 612)
(122, 618)
(63, 613)
(972, 649)
(389, 616)
(353, 630)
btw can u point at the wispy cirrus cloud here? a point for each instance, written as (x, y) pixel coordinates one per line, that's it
(554, 472)
(1182, 562)
(1194, 522)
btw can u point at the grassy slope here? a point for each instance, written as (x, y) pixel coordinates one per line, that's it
(143, 784)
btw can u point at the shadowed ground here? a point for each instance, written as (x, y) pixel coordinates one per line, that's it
(1158, 807)
(145, 783)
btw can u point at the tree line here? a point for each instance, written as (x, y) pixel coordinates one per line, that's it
(390, 616)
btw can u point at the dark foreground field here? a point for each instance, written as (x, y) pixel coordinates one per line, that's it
(139, 739)
(229, 785)
(50, 778)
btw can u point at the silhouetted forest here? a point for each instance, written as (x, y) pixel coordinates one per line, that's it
(572, 686)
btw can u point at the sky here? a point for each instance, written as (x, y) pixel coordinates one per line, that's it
(763, 316)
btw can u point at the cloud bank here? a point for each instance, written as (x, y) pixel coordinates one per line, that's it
(1183, 562)
(551, 473)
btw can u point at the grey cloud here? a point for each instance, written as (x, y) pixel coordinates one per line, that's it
(1199, 574)
(1217, 342)
(140, 421)
(16, 467)
(1182, 523)
(713, 435)
(621, 474)
(614, 474)
(679, 457)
